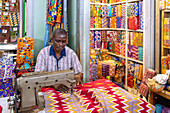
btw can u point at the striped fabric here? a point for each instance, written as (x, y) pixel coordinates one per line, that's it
(47, 62)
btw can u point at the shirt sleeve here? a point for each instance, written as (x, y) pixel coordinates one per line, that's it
(40, 63)
(76, 64)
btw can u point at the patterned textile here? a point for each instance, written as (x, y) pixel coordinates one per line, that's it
(47, 62)
(25, 52)
(14, 17)
(6, 88)
(101, 96)
(143, 89)
(5, 19)
(14, 33)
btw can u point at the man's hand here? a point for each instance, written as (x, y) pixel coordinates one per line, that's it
(78, 78)
(61, 87)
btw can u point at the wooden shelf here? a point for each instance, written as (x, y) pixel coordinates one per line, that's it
(164, 93)
(167, 11)
(132, 1)
(119, 29)
(138, 61)
(166, 47)
(8, 47)
(116, 55)
(118, 3)
(139, 30)
(99, 4)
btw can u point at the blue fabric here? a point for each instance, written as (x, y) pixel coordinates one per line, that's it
(46, 35)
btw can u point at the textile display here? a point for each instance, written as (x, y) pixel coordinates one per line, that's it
(5, 19)
(164, 64)
(6, 76)
(92, 22)
(109, 11)
(14, 33)
(0, 5)
(96, 97)
(5, 34)
(6, 88)
(104, 22)
(143, 89)
(104, 11)
(110, 36)
(166, 37)
(5, 5)
(91, 39)
(97, 39)
(141, 19)
(123, 10)
(25, 52)
(14, 17)
(14, 5)
(140, 53)
(59, 11)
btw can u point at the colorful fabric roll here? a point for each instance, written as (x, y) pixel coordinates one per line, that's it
(97, 39)
(5, 19)
(14, 5)
(110, 36)
(164, 64)
(132, 9)
(59, 11)
(114, 22)
(119, 9)
(135, 52)
(143, 89)
(114, 47)
(136, 70)
(167, 4)
(118, 48)
(98, 10)
(140, 53)
(91, 10)
(166, 38)
(123, 37)
(112, 67)
(136, 6)
(104, 44)
(14, 17)
(113, 11)
(104, 22)
(97, 23)
(103, 35)
(123, 22)
(5, 5)
(7, 68)
(109, 11)
(92, 22)
(140, 76)
(25, 52)
(130, 81)
(92, 39)
(123, 10)
(110, 46)
(118, 36)
(104, 11)
(130, 53)
(115, 35)
(141, 19)
(129, 10)
(14, 33)
(140, 41)
(6, 87)
(104, 1)
(99, 70)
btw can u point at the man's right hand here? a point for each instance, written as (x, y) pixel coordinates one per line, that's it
(61, 87)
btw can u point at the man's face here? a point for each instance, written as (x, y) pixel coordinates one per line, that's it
(59, 42)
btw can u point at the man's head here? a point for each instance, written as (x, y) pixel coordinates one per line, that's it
(59, 38)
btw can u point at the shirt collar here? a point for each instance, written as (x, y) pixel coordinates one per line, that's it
(63, 52)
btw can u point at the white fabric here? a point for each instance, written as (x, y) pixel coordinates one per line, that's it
(162, 78)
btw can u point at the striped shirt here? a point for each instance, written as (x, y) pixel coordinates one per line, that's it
(47, 60)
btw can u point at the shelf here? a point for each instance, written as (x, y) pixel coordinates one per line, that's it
(118, 3)
(99, 4)
(120, 29)
(166, 47)
(116, 55)
(167, 11)
(135, 30)
(138, 61)
(132, 1)
(8, 47)
(164, 93)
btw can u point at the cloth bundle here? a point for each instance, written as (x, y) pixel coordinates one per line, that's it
(25, 52)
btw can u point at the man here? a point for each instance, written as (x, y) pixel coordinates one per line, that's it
(59, 57)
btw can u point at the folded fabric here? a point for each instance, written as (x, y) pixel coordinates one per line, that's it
(143, 89)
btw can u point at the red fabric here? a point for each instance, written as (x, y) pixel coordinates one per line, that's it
(0, 109)
(133, 22)
(143, 89)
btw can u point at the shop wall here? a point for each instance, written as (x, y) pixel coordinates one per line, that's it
(39, 24)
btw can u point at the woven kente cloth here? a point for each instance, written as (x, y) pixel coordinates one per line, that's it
(101, 96)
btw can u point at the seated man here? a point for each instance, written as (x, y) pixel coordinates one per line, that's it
(59, 57)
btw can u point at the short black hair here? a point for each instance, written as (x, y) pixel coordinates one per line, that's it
(59, 31)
